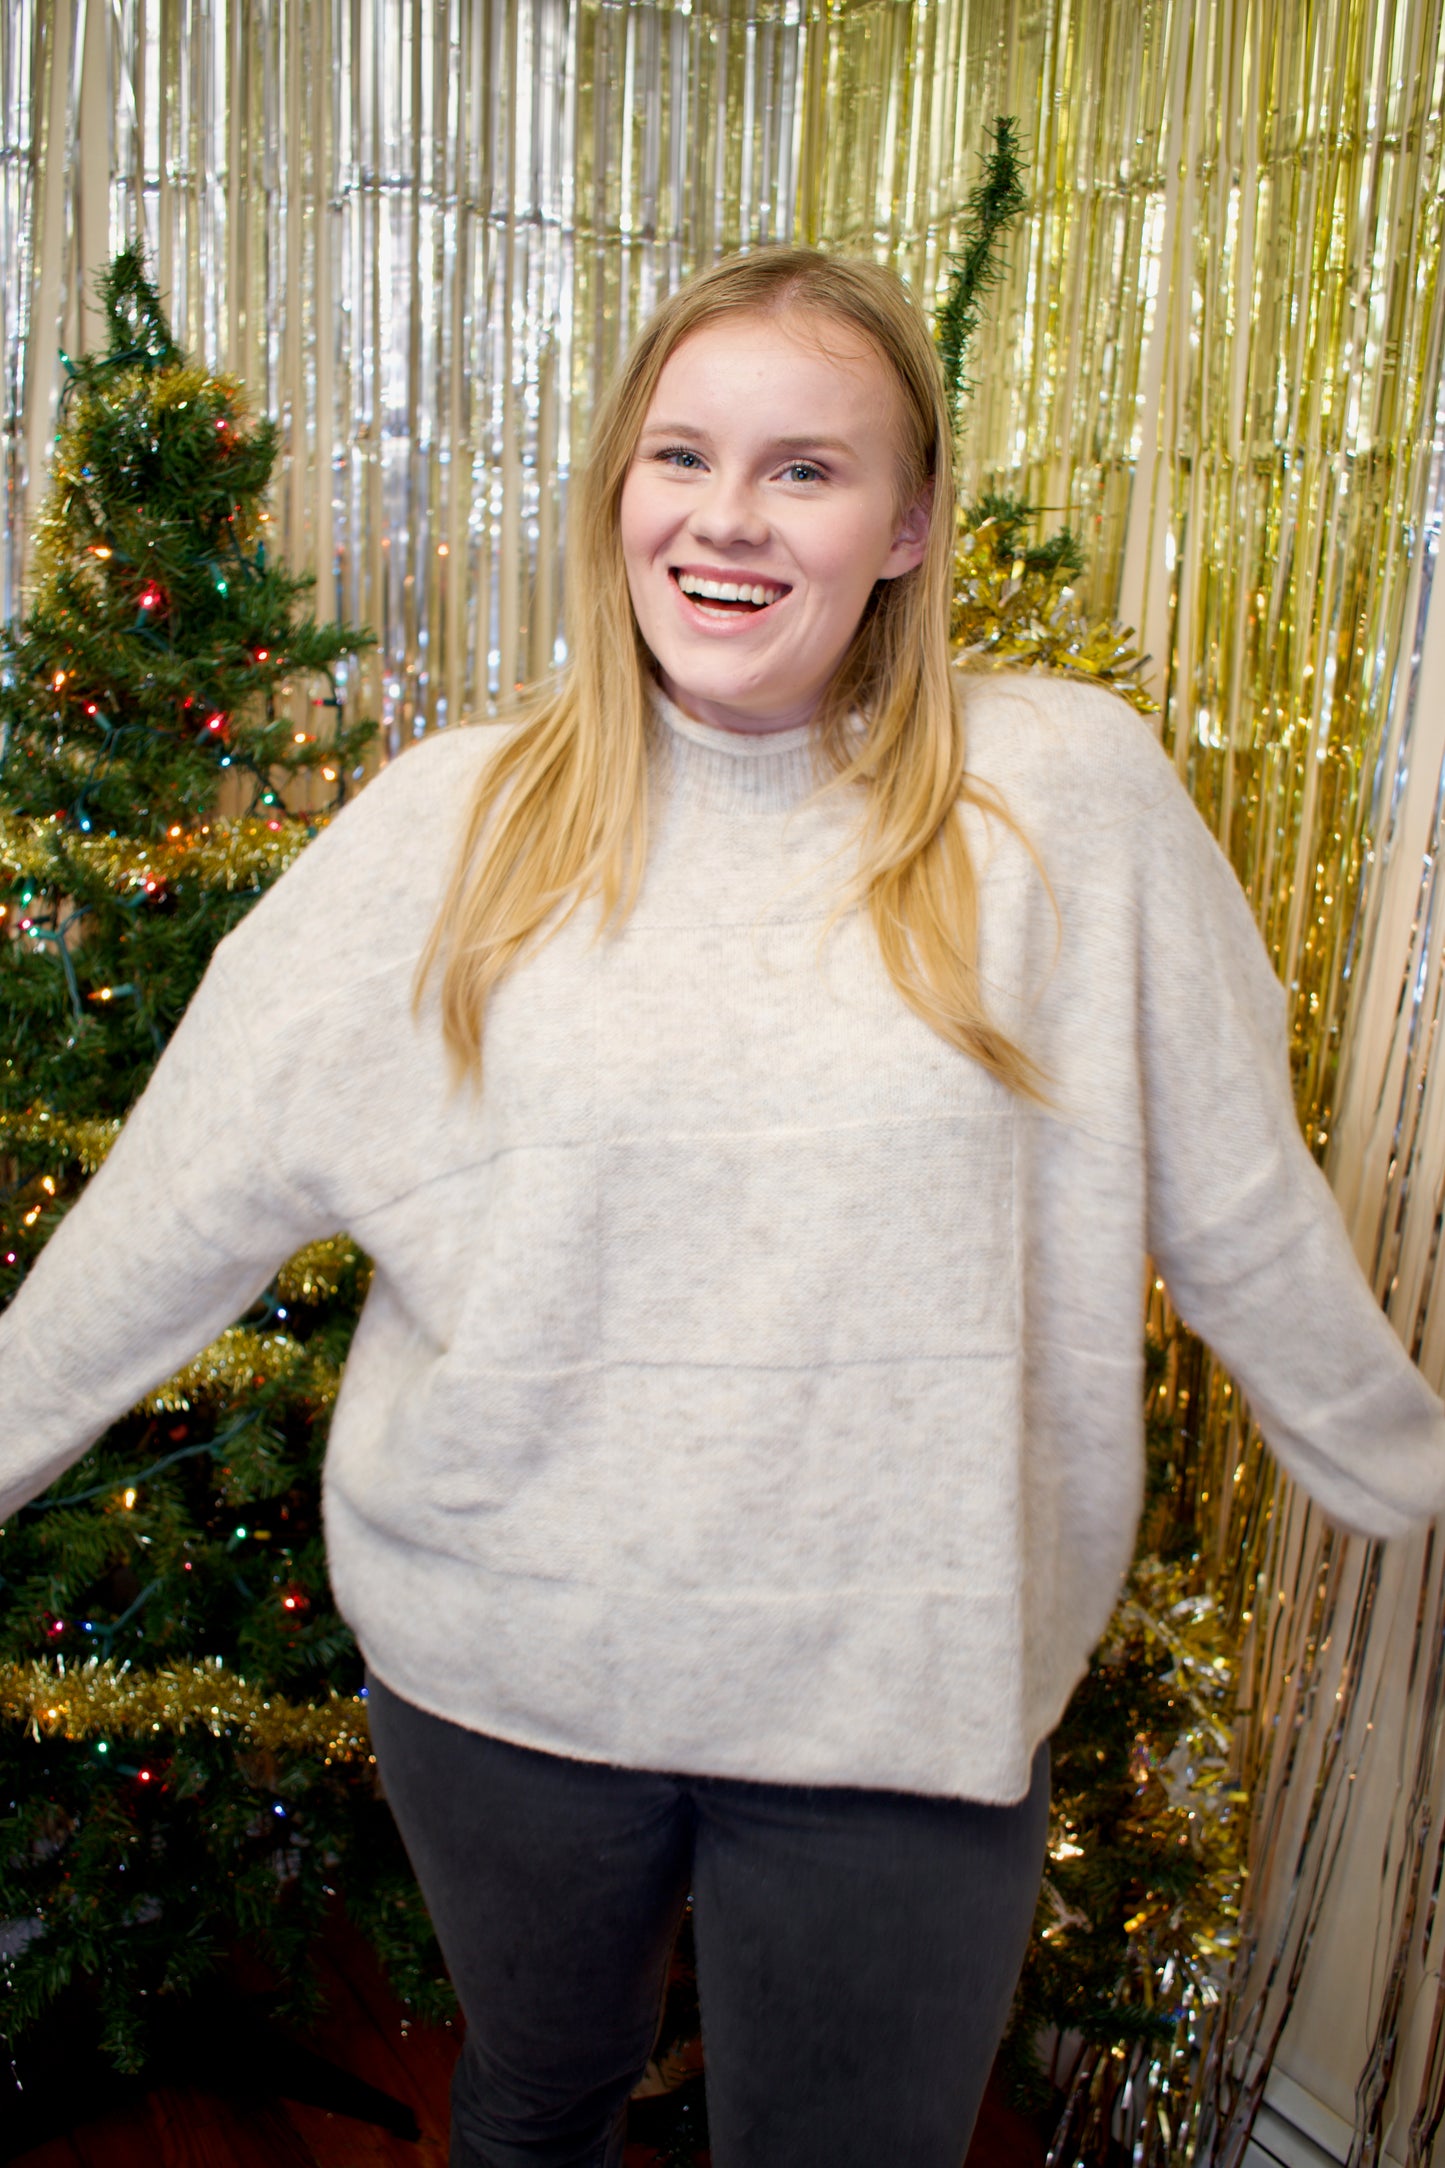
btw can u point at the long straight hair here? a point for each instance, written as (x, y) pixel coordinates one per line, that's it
(561, 812)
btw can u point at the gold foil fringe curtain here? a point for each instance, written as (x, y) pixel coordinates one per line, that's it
(1285, 552)
(421, 234)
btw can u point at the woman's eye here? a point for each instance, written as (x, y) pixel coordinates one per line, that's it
(803, 470)
(678, 455)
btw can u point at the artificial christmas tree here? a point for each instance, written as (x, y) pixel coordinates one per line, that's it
(164, 702)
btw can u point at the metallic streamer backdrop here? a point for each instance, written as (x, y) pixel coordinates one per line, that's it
(421, 232)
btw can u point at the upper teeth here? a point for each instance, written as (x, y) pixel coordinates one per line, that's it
(726, 590)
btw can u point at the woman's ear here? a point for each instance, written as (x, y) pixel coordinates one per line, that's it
(911, 539)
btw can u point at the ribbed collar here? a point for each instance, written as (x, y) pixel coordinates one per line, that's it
(742, 770)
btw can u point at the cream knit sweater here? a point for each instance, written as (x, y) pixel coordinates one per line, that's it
(748, 1384)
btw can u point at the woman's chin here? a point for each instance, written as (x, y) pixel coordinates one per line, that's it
(733, 706)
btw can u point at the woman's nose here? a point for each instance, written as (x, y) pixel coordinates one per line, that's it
(728, 511)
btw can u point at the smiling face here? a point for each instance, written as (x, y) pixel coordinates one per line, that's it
(760, 508)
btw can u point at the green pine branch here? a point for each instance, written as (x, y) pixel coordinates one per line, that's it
(1010, 518)
(139, 330)
(978, 264)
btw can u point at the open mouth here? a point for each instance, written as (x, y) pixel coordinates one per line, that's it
(728, 598)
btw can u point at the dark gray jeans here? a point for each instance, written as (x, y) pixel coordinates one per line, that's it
(856, 1950)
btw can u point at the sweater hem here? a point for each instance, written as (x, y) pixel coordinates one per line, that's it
(916, 1691)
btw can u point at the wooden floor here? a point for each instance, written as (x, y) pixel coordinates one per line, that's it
(365, 2033)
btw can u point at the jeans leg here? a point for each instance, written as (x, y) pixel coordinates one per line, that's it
(857, 1955)
(556, 1888)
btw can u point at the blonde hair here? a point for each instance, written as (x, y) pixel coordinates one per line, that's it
(569, 790)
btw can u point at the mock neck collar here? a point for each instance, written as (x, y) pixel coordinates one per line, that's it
(750, 771)
(742, 744)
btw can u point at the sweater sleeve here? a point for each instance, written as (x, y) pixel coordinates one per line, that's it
(173, 1237)
(1242, 1224)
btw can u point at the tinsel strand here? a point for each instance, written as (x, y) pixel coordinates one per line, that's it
(102, 1698)
(240, 1359)
(228, 855)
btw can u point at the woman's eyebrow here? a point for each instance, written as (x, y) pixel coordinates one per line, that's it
(672, 429)
(812, 444)
(775, 444)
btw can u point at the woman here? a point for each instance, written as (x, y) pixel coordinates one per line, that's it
(740, 1450)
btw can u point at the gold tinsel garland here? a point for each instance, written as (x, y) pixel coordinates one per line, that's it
(76, 1137)
(1009, 614)
(99, 1698)
(239, 1359)
(318, 1272)
(247, 853)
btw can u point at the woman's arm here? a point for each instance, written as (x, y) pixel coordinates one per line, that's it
(1241, 1223)
(174, 1237)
